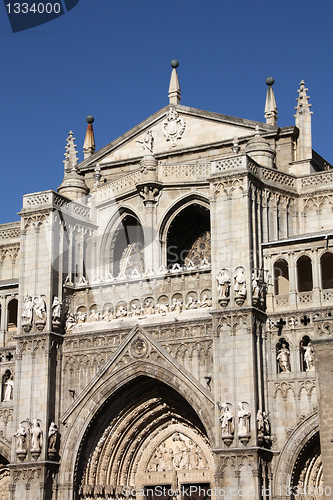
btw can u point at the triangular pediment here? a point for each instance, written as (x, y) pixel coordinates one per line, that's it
(174, 128)
(138, 349)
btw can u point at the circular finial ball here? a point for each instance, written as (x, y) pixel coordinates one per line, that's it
(174, 63)
(90, 119)
(269, 81)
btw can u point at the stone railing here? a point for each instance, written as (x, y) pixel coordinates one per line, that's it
(10, 231)
(281, 300)
(305, 297)
(51, 199)
(317, 180)
(118, 186)
(327, 295)
(197, 171)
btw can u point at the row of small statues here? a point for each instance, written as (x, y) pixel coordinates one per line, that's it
(36, 438)
(37, 306)
(185, 456)
(283, 357)
(135, 273)
(137, 311)
(224, 282)
(227, 421)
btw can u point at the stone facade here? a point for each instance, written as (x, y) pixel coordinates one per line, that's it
(165, 316)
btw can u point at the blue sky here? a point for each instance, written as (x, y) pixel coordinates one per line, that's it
(112, 60)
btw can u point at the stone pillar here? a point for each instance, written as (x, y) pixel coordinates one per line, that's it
(323, 349)
(292, 280)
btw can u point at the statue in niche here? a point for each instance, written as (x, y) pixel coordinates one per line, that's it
(206, 301)
(107, 315)
(255, 285)
(21, 438)
(9, 387)
(223, 283)
(260, 422)
(122, 312)
(27, 310)
(309, 357)
(36, 436)
(81, 317)
(191, 303)
(240, 283)
(56, 309)
(135, 310)
(283, 358)
(243, 420)
(177, 306)
(149, 307)
(53, 437)
(94, 316)
(40, 308)
(162, 308)
(70, 322)
(227, 422)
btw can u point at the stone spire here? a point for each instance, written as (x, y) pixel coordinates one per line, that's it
(174, 88)
(303, 123)
(73, 185)
(89, 142)
(71, 159)
(271, 111)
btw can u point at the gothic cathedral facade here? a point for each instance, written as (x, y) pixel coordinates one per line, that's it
(166, 327)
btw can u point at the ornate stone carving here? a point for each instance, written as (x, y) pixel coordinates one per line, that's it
(243, 423)
(53, 441)
(177, 452)
(227, 424)
(139, 347)
(173, 127)
(148, 142)
(240, 285)
(223, 286)
(36, 437)
(56, 314)
(21, 442)
(27, 314)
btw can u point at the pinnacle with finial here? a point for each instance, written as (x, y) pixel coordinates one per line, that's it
(89, 141)
(271, 111)
(174, 87)
(303, 105)
(71, 159)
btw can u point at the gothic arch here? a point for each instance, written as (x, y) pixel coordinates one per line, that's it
(109, 238)
(190, 202)
(102, 395)
(296, 454)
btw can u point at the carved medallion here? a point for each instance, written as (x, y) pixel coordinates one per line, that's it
(139, 347)
(173, 127)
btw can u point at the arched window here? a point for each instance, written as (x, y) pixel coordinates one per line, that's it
(12, 315)
(283, 356)
(281, 277)
(304, 274)
(326, 266)
(188, 237)
(127, 247)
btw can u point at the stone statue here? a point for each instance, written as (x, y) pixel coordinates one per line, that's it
(227, 422)
(27, 310)
(148, 142)
(56, 309)
(260, 421)
(283, 358)
(40, 307)
(21, 438)
(149, 308)
(122, 312)
(53, 436)
(36, 436)
(94, 316)
(177, 306)
(81, 317)
(309, 357)
(206, 301)
(243, 420)
(70, 322)
(192, 303)
(255, 284)
(223, 283)
(9, 386)
(240, 282)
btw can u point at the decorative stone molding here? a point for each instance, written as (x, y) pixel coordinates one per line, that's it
(173, 127)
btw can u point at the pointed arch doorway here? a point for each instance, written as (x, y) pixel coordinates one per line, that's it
(146, 436)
